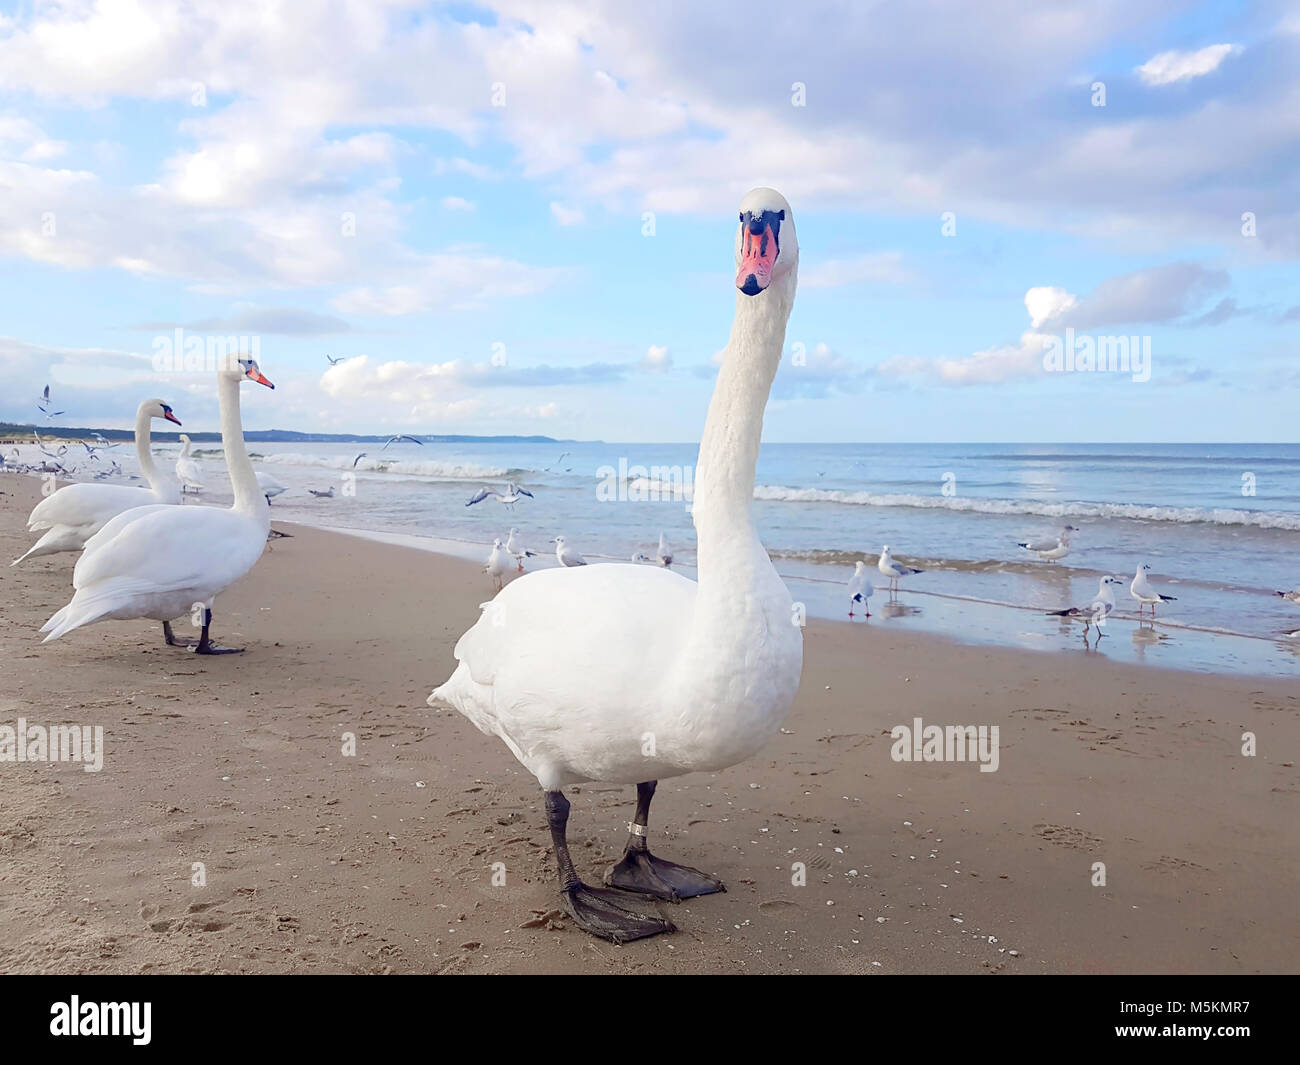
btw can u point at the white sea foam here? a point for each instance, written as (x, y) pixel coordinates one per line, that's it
(1260, 519)
(466, 471)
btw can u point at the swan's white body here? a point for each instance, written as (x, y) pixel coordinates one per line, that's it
(76, 512)
(159, 561)
(859, 586)
(188, 470)
(626, 673)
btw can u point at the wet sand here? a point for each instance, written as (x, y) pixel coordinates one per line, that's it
(384, 861)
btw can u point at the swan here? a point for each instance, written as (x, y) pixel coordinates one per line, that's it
(74, 513)
(894, 570)
(163, 562)
(859, 588)
(629, 674)
(1142, 591)
(188, 470)
(1050, 550)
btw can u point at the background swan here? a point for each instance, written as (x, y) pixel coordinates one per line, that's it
(74, 513)
(188, 470)
(163, 562)
(628, 673)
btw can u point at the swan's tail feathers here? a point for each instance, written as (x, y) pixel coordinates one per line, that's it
(92, 604)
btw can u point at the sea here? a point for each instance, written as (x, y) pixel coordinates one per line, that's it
(1218, 523)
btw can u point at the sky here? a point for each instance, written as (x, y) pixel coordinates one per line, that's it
(519, 218)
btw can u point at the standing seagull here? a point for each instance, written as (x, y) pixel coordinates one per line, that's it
(512, 495)
(1050, 550)
(497, 564)
(566, 555)
(665, 552)
(518, 550)
(860, 588)
(1095, 612)
(1142, 591)
(894, 570)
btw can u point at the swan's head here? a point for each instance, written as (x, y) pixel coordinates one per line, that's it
(183, 438)
(156, 408)
(245, 367)
(766, 248)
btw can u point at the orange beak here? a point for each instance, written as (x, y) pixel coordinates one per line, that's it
(171, 417)
(757, 256)
(256, 375)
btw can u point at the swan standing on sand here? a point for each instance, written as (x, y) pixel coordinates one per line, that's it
(1142, 591)
(1050, 550)
(860, 588)
(161, 562)
(629, 674)
(73, 514)
(188, 470)
(894, 570)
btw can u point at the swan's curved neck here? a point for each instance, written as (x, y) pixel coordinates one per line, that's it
(185, 451)
(248, 496)
(724, 475)
(144, 450)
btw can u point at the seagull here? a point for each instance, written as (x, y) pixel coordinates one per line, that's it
(1142, 591)
(512, 495)
(558, 461)
(515, 548)
(665, 552)
(497, 565)
(44, 404)
(1095, 612)
(1050, 550)
(566, 555)
(322, 495)
(401, 436)
(893, 570)
(859, 588)
(1292, 596)
(269, 485)
(334, 361)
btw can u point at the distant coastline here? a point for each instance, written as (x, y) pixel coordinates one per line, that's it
(23, 433)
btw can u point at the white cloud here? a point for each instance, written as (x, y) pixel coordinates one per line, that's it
(567, 216)
(1169, 67)
(456, 203)
(1047, 302)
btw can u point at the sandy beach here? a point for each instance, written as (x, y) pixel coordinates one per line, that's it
(383, 861)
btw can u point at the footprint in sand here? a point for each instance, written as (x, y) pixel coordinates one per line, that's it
(1066, 836)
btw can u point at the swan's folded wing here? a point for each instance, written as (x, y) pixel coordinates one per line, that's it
(86, 504)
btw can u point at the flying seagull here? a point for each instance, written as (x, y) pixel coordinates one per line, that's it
(511, 496)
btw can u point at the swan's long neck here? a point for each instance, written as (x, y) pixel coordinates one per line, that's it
(724, 474)
(248, 496)
(144, 450)
(185, 451)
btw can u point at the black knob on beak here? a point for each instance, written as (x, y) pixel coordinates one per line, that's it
(756, 226)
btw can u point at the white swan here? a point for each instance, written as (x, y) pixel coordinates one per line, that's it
(164, 562)
(74, 513)
(629, 674)
(188, 470)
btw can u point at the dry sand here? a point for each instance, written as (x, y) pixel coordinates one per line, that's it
(382, 862)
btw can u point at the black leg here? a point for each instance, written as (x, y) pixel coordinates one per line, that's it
(172, 640)
(206, 646)
(594, 910)
(642, 872)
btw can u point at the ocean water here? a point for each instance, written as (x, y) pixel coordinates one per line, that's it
(1219, 524)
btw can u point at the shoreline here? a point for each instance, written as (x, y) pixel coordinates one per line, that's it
(317, 861)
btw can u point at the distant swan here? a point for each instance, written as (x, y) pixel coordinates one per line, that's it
(188, 469)
(629, 674)
(164, 562)
(74, 513)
